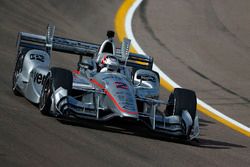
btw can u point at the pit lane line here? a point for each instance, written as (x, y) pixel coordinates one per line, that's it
(123, 28)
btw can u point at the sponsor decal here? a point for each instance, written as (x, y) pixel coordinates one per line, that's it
(38, 78)
(37, 57)
(121, 85)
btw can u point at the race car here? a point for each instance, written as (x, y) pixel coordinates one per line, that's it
(108, 82)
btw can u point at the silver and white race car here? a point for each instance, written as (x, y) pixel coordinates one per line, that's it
(109, 82)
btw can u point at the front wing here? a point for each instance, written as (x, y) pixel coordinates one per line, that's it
(69, 106)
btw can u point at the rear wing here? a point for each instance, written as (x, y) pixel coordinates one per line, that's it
(49, 43)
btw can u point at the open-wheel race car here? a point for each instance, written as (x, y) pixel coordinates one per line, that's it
(109, 82)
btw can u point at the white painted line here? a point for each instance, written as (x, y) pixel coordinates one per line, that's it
(130, 35)
(223, 116)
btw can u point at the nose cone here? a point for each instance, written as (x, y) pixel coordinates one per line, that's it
(120, 94)
(123, 102)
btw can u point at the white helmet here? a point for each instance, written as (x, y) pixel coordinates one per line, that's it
(109, 63)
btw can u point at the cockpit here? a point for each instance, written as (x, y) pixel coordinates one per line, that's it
(106, 59)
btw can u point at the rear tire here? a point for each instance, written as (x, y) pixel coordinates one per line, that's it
(17, 70)
(56, 78)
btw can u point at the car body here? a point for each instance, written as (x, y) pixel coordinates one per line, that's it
(94, 90)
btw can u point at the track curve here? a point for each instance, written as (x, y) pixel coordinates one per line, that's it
(28, 138)
(204, 48)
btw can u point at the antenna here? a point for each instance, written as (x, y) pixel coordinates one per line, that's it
(49, 37)
(125, 49)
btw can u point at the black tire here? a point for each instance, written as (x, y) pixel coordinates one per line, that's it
(45, 97)
(17, 70)
(184, 99)
(57, 77)
(181, 99)
(61, 78)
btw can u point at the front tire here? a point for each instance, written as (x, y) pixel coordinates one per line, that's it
(179, 101)
(56, 78)
(45, 98)
(185, 100)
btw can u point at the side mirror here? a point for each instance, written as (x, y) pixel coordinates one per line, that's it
(145, 77)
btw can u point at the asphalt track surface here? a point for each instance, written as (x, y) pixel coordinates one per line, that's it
(203, 45)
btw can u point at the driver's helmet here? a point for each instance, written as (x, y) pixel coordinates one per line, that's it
(109, 63)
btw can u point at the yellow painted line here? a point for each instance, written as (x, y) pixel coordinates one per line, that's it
(121, 33)
(223, 121)
(170, 88)
(120, 21)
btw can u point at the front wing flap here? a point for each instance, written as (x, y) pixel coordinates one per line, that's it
(173, 125)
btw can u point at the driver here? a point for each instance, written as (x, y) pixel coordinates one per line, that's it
(109, 63)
